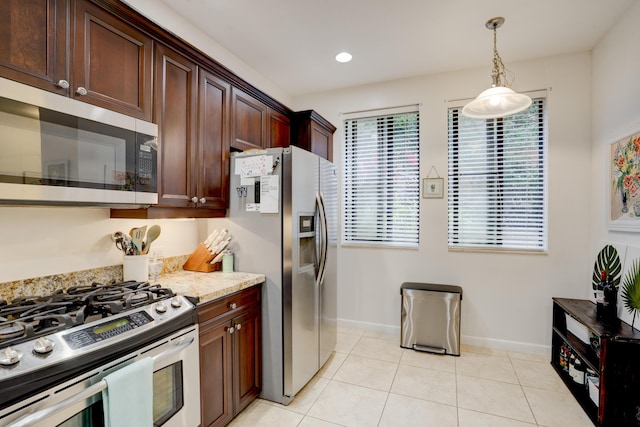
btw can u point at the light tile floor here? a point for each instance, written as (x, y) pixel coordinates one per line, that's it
(371, 381)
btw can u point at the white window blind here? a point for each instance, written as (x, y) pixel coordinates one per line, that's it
(382, 180)
(496, 181)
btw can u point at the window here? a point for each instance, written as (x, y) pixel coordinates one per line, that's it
(496, 181)
(382, 180)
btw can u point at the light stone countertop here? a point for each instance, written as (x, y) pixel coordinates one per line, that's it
(208, 286)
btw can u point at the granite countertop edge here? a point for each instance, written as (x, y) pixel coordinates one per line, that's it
(208, 286)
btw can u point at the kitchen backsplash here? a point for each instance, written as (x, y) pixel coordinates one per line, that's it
(47, 285)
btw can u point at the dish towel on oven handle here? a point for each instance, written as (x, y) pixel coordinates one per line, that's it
(128, 398)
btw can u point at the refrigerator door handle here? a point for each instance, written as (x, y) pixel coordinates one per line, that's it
(323, 241)
(325, 238)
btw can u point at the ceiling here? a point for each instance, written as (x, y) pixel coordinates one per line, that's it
(293, 42)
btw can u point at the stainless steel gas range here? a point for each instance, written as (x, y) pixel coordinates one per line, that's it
(56, 351)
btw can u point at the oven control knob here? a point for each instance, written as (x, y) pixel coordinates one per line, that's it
(161, 307)
(43, 346)
(176, 302)
(9, 357)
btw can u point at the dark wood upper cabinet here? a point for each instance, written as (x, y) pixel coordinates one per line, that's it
(112, 62)
(213, 141)
(192, 113)
(248, 122)
(77, 49)
(33, 42)
(175, 93)
(314, 133)
(279, 129)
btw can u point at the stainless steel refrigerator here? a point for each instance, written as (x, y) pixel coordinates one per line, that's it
(283, 220)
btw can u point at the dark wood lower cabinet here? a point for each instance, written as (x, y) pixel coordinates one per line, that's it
(215, 358)
(230, 355)
(611, 356)
(247, 357)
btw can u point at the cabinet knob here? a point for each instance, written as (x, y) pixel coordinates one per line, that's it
(232, 306)
(231, 330)
(81, 91)
(238, 326)
(203, 200)
(194, 199)
(63, 84)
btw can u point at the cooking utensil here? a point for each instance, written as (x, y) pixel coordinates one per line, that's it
(123, 242)
(152, 235)
(137, 236)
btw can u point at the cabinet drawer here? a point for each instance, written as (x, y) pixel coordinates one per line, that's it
(229, 305)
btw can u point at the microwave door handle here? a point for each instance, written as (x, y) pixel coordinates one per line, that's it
(89, 391)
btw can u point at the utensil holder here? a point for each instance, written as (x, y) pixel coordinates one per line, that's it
(200, 260)
(135, 267)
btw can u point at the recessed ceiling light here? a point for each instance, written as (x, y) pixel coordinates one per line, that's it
(343, 57)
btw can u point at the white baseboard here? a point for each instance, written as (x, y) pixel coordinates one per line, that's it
(369, 327)
(493, 343)
(505, 345)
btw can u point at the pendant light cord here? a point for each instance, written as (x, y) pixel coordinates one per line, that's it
(498, 74)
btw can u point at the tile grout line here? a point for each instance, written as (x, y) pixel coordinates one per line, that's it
(522, 389)
(390, 387)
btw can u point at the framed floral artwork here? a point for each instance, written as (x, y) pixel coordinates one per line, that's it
(624, 186)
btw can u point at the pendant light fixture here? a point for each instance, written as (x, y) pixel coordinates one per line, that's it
(499, 100)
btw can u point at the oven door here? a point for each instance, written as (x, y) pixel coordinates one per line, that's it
(78, 402)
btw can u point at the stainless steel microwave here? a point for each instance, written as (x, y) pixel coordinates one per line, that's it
(57, 150)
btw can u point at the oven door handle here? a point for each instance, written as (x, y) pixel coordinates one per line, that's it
(90, 391)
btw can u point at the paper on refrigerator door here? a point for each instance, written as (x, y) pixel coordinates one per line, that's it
(269, 192)
(248, 167)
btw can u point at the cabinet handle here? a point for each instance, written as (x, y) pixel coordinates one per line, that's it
(194, 199)
(232, 306)
(239, 326)
(231, 330)
(63, 84)
(203, 200)
(81, 91)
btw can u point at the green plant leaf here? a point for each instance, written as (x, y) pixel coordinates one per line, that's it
(609, 261)
(631, 287)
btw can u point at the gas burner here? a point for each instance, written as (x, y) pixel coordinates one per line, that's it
(35, 316)
(12, 330)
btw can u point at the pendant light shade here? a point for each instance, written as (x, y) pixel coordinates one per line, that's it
(499, 100)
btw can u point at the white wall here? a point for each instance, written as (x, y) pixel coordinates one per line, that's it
(507, 297)
(616, 114)
(40, 241)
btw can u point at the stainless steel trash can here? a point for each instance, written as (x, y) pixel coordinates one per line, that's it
(431, 317)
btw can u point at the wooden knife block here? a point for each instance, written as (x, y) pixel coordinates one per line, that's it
(200, 260)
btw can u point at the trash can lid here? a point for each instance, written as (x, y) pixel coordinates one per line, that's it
(432, 287)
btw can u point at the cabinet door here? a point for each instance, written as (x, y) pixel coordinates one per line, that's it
(215, 374)
(247, 358)
(175, 113)
(279, 129)
(321, 141)
(33, 42)
(112, 62)
(213, 126)
(249, 122)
